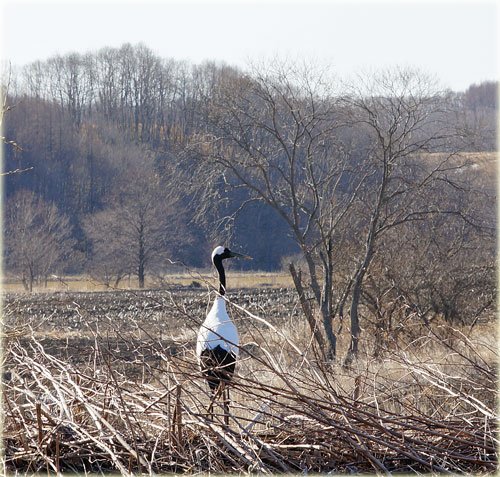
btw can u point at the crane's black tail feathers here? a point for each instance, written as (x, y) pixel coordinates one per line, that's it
(217, 365)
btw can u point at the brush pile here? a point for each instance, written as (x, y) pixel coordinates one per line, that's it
(131, 403)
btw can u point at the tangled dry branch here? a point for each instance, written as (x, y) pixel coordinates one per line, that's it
(139, 406)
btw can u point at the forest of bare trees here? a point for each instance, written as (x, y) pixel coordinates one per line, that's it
(376, 191)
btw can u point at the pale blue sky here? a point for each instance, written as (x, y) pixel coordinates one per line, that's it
(455, 41)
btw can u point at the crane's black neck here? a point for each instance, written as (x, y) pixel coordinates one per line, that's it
(222, 274)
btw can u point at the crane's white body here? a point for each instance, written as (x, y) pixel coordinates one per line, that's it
(218, 330)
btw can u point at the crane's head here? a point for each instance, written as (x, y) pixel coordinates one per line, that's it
(222, 253)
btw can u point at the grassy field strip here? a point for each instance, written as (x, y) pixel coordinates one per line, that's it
(194, 279)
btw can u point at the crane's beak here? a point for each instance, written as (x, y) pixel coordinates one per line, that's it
(239, 255)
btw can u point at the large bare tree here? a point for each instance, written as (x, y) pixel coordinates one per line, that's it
(340, 169)
(274, 134)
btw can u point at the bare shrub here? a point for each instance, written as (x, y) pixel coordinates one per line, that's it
(38, 239)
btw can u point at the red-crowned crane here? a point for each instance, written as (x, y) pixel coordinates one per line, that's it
(217, 345)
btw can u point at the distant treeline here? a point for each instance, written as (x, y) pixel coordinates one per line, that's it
(114, 146)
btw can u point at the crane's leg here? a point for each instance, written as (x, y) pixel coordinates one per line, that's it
(225, 398)
(215, 396)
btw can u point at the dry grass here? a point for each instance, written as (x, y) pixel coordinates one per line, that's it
(480, 158)
(118, 390)
(480, 165)
(199, 278)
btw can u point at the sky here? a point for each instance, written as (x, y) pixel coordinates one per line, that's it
(455, 41)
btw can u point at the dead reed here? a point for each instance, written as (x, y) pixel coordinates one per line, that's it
(122, 393)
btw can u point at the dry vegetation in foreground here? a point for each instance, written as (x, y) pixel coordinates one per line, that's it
(101, 382)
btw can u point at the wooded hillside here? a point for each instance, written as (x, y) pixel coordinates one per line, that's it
(384, 183)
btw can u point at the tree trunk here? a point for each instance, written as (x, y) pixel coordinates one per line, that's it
(323, 300)
(326, 299)
(31, 279)
(140, 274)
(332, 339)
(309, 313)
(352, 352)
(141, 258)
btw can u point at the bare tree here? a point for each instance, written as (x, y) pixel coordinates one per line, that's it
(273, 133)
(130, 236)
(401, 113)
(477, 117)
(38, 238)
(443, 267)
(341, 170)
